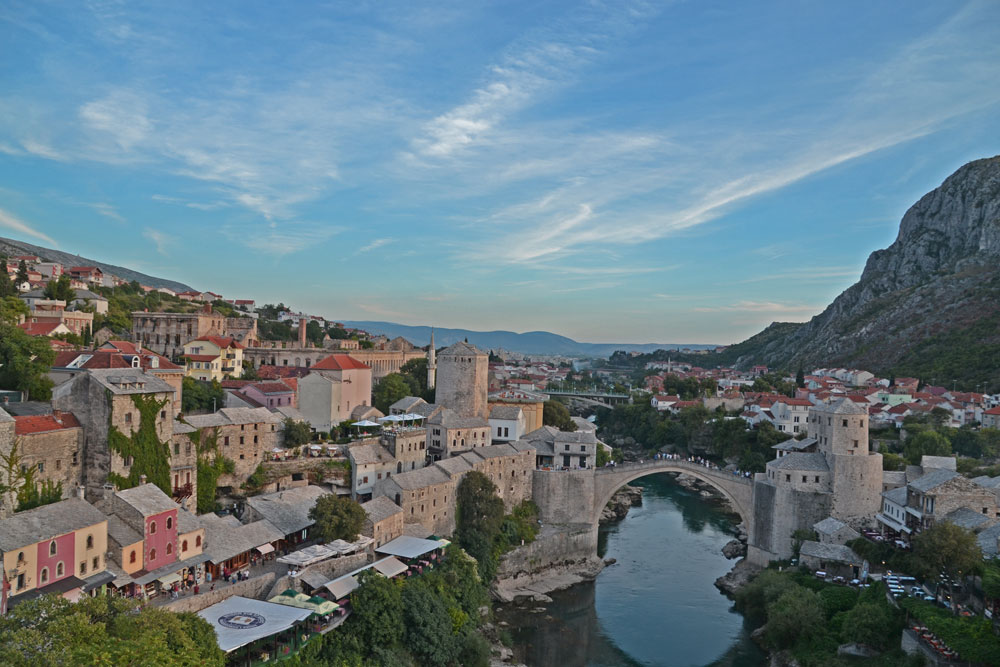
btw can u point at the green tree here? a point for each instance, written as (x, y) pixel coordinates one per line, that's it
(795, 616)
(337, 518)
(22, 273)
(24, 361)
(926, 443)
(556, 414)
(871, 624)
(479, 514)
(377, 619)
(198, 395)
(104, 630)
(947, 551)
(428, 626)
(6, 287)
(296, 432)
(800, 378)
(60, 289)
(390, 389)
(32, 494)
(12, 310)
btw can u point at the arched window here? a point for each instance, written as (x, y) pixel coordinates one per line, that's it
(52, 548)
(197, 541)
(131, 556)
(90, 541)
(184, 545)
(152, 554)
(44, 579)
(170, 522)
(59, 569)
(170, 548)
(152, 527)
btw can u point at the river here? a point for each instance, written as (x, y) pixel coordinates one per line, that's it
(656, 606)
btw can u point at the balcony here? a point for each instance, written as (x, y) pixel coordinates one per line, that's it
(183, 491)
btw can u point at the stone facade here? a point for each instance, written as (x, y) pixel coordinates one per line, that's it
(336, 386)
(450, 433)
(277, 353)
(166, 333)
(52, 445)
(463, 380)
(7, 436)
(243, 435)
(383, 520)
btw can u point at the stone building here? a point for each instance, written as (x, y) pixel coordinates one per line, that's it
(242, 435)
(334, 386)
(830, 474)
(463, 380)
(563, 449)
(8, 434)
(104, 398)
(118, 354)
(506, 423)
(427, 495)
(532, 405)
(450, 433)
(281, 353)
(166, 333)
(383, 520)
(395, 451)
(52, 445)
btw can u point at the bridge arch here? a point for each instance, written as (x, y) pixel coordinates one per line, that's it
(737, 490)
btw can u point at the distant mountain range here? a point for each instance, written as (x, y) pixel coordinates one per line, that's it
(530, 342)
(11, 247)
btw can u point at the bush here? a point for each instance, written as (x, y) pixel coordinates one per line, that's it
(973, 638)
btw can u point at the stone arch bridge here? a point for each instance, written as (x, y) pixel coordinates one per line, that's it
(734, 488)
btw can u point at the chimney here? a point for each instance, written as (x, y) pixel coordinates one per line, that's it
(302, 332)
(142, 479)
(80, 491)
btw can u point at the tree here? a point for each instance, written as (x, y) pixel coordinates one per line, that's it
(198, 395)
(479, 515)
(378, 610)
(390, 389)
(800, 378)
(296, 432)
(22, 273)
(428, 632)
(337, 518)
(59, 289)
(871, 624)
(105, 630)
(6, 287)
(556, 414)
(24, 361)
(12, 310)
(926, 443)
(947, 551)
(796, 615)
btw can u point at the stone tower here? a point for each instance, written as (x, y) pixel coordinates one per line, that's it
(462, 380)
(841, 433)
(431, 363)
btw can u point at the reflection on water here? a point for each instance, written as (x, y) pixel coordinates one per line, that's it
(656, 606)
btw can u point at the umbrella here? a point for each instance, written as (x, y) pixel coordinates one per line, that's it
(364, 423)
(412, 415)
(391, 418)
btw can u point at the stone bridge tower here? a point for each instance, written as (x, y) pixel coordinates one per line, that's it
(462, 380)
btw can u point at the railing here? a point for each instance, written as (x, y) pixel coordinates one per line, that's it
(183, 491)
(681, 463)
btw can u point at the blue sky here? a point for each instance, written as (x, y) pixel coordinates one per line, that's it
(619, 171)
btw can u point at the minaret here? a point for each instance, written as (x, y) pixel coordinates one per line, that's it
(431, 363)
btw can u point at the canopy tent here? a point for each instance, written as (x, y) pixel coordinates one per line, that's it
(390, 418)
(168, 579)
(389, 567)
(405, 546)
(342, 587)
(364, 423)
(239, 621)
(264, 549)
(412, 416)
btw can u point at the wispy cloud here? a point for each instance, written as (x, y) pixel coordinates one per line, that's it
(10, 221)
(108, 211)
(159, 239)
(772, 307)
(377, 243)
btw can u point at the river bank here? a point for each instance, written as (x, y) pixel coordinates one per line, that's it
(651, 601)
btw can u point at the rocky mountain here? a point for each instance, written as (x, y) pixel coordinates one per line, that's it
(928, 305)
(12, 247)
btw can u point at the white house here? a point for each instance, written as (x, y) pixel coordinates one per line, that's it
(507, 423)
(662, 402)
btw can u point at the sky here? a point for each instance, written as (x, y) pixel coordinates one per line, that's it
(682, 172)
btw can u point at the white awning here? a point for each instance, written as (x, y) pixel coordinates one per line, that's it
(168, 579)
(264, 549)
(239, 621)
(390, 567)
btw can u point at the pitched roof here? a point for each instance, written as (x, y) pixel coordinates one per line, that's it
(933, 479)
(128, 382)
(449, 418)
(231, 416)
(838, 553)
(829, 526)
(121, 532)
(288, 510)
(897, 495)
(968, 518)
(407, 403)
(224, 541)
(461, 349)
(272, 387)
(814, 462)
(43, 523)
(505, 412)
(421, 477)
(339, 362)
(793, 445)
(44, 423)
(380, 509)
(39, 328)
(369, 454)
(222, 342)
(938, 462)
(147, 499)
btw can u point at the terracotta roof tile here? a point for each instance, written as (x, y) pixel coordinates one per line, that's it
(44, 423)
(338, 362)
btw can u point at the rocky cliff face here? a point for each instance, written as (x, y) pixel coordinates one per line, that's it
(935, 288)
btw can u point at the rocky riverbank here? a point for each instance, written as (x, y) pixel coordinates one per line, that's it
(537, 584)
(738, 577)
(624, 499)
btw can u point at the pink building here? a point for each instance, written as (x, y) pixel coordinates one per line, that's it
(151, 512)
(270, 394)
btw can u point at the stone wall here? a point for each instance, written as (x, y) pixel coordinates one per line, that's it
(857, 487)
(462, 383)
(564, 496)
(6, 443)
(331, 569)
(59, 452)
(255, 587)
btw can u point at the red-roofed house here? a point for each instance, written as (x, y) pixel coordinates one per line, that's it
(117, 354)
(213, 358)
(87, 274)
(270, 394)
(334, 386)
(53, 445)
(44, 328)
(991, 418)
(790, 414)
(662, 403)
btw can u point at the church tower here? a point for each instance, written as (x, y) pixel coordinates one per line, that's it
(431, 363)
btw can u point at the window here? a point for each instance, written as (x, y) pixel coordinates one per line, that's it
(152, 554)
(197, 541)
(255, 428)
(225, 441)
(499, 433)
(804, 478)
(170, 548)
(855, 443)
(52, 548)
(131, 556)
(816, 478)
(152, 527)
(58, 464)
(255, 440)
(90, 541)
(76, 456)
(788, 478)
(177, 448)
(163, 414)
(184, 546)
(242, 457)
(83, 567)
(41, 466)
(44, 576)
(170, 522)
(845, 422)
(583, 448)
(241, 440)
(365, 480)
(187, 449)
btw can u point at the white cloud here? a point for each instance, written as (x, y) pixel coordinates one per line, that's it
(108, 211)
(377, 243)
(12, 222)
(161, 240)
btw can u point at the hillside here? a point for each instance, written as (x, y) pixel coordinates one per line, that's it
(12, 247)
(928, 305)
(531, 342)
